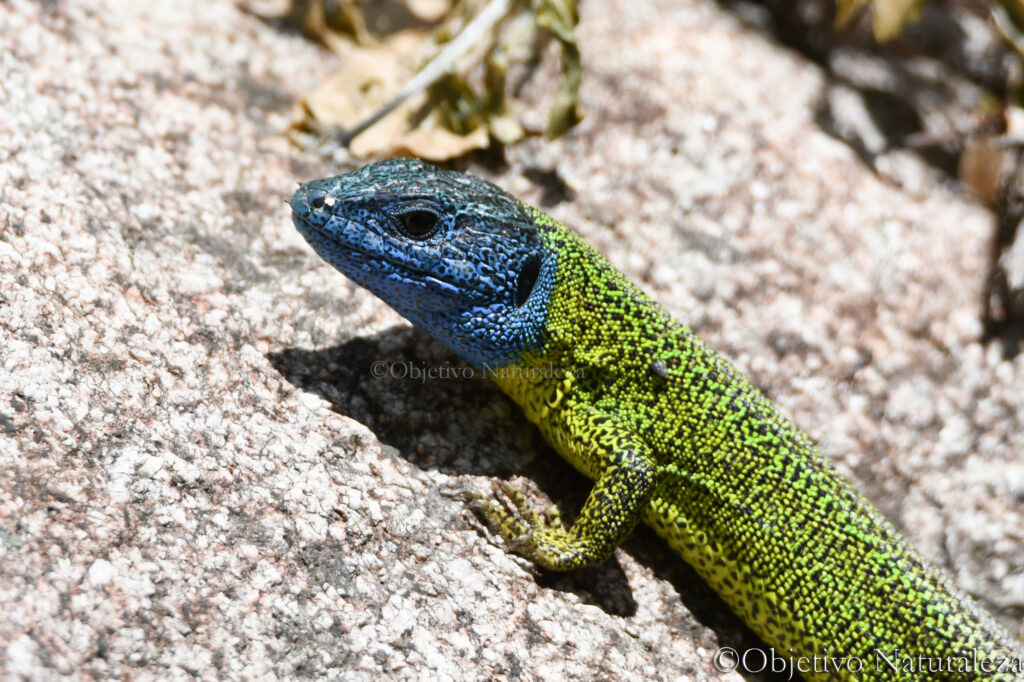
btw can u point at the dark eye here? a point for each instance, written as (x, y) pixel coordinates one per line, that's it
(418, 224)
(527, 279)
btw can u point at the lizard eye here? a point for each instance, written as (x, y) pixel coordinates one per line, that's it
(527, 279)
(418, 223)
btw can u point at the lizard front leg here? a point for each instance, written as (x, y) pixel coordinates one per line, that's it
(626, 475)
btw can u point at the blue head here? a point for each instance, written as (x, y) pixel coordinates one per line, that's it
(455, 255)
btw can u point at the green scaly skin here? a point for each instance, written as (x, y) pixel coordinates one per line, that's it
(674, 436)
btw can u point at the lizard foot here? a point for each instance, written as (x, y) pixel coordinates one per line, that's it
(527, 532)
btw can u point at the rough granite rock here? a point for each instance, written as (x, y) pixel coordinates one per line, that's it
(203, 474)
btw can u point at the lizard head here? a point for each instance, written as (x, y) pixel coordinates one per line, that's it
(453, 254)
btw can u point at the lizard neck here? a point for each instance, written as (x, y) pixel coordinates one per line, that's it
(595, 317)
(599, 328)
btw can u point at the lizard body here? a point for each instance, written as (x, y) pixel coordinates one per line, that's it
(669, 431)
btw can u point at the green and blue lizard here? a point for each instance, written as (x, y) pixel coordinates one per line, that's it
(670, 432)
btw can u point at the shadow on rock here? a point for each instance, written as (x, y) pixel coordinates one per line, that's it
(441, 414)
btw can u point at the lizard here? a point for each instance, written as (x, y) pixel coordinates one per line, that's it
(670, 432)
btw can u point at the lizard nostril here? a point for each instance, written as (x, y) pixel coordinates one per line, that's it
(317, 201)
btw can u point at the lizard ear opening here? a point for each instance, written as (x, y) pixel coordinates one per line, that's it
(527, 279)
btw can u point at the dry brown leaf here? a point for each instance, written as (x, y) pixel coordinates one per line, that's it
(888, 16)
(980, 168)
(433, 142)
(369, 76)
(891, 15)
(464, 110)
